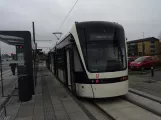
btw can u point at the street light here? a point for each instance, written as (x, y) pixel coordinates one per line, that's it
(1, 72)
(143, 46)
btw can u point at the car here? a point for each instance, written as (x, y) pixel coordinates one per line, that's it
(130, 59)
(144, 62)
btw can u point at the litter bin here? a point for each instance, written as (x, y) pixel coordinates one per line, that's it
(24, 89)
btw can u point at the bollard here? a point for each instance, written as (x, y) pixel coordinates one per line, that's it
(142, 70)
(5, 112)
(152, 71)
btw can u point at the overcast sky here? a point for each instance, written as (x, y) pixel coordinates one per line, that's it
(136, 16)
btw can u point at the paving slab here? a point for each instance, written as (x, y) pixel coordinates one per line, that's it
(61, 115)
(114, 104)
(25, 118)
(12, 110)
(51, 101)
(71, 107)
(78, 116)
(124, 111)
(55, 100)
(40, 117)
(63, 103)
(147, 85)
(58, 107)
(9, 82)
(26, 110)
(95, 113)
(136, 113)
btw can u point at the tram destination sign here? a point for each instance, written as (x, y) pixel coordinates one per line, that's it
(95, 37)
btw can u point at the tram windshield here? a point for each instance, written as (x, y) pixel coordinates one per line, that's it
(105, 56)
(104, 51)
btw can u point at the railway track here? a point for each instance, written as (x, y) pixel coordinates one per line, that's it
(96, 111)
(117, 108)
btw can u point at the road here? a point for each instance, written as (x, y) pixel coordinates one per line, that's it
(157, 75)
(145, 84)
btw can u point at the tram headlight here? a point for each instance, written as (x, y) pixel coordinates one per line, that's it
(97, 81)
(124, 78)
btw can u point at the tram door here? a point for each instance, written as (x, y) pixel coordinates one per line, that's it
(54, 63)
(70, 70)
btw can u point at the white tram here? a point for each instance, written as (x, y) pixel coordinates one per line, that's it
(92, 60)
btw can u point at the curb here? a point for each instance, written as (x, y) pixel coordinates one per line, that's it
(146, 95)
(130, 97)
(104, 111)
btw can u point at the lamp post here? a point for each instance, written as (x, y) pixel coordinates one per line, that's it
(143, 46)
(1, 72)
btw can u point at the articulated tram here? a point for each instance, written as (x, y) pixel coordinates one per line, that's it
(91, 60)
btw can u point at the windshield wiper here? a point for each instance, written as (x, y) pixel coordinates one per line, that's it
(121, 54)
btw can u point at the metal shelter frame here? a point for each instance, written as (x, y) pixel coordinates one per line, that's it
(10, 40)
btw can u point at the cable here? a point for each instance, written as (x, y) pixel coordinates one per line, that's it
(67, 15)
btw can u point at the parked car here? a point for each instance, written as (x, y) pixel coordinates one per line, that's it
(144, 62)
(131, 59)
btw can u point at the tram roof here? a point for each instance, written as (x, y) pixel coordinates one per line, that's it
(89, 23)
(86, 23)
(52, 50)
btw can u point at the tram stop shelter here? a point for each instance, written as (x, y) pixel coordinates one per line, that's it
(24, 56)
(11, 40)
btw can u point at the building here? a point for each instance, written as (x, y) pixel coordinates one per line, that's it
(160, 47)
(146, 46)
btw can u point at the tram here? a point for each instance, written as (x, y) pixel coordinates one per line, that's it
(91, 60)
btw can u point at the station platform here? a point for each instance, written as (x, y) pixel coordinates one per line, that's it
(51, 102)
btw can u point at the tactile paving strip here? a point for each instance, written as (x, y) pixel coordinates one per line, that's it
(47, 104)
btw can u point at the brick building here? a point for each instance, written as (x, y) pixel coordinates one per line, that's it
(146, 46)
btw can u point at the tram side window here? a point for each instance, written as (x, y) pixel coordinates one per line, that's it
(60, 59)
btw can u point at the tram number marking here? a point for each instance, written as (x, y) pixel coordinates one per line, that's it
(97, 76)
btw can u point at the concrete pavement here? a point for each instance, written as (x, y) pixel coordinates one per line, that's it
(53, 102)
(50, 102)
(9, 82)
(121, 109)
(157, 75)
(147, 85)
